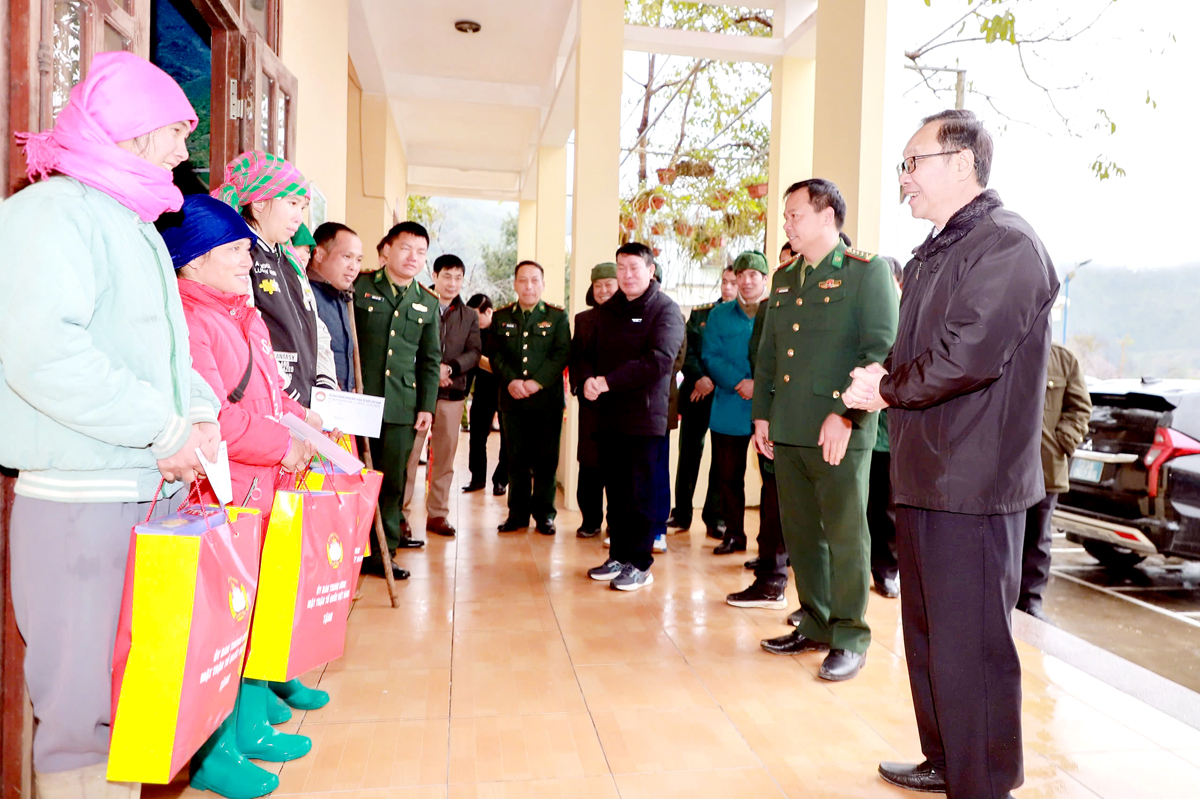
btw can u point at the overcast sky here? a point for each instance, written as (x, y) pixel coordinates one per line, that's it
(1145, 219)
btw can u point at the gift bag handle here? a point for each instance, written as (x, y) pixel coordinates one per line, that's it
(193, 491)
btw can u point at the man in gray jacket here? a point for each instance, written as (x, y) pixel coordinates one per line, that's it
(461, 348)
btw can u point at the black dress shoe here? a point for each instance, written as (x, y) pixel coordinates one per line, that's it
(511, 525)
(751, 564)
(469, 487)
(795, 616)
(680, 524)
(587, 532)
(546, 527)
(888, 587)
(410, 543)
(792, 644)
(921, 777)
(715, 531)
(841, 664)
(499, 490)
(374, 567)
(729, 546)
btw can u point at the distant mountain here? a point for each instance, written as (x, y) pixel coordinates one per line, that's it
(1155, 312)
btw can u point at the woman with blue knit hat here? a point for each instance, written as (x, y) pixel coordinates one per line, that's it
(210, 247)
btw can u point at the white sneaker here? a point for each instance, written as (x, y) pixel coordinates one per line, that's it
(606, 540)
(660, 543)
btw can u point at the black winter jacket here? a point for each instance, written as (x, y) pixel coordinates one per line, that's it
(634, 348)
(967, 372)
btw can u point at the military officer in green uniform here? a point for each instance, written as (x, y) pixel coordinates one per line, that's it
(397, 324)
(829, 311)
(533, 344)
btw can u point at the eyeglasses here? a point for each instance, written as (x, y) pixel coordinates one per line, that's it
(909, 164)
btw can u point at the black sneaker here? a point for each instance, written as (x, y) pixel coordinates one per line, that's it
(608, 571)
(762, 594)
(587, 532)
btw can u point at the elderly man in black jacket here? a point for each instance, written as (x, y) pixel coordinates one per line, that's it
(461, 347)
(964, 385)
(627, 370)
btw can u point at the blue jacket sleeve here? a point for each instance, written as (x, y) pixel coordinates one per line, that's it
(726, 362)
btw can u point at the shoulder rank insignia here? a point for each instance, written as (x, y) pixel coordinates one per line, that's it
(554, 307)
(829, 284)
(860, 255)
(708, 306)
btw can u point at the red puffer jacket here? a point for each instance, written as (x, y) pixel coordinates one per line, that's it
(223, 331)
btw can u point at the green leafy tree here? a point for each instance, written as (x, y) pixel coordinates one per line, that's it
(498, 260)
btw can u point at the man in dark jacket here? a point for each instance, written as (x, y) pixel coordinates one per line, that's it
(335, 263)
(627, 371)
(484, 389)
(458, 326)
(1064, 425)
(965, 384)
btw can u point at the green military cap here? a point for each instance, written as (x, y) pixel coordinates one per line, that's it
(303, 237)
(604, 271)
(751, 259)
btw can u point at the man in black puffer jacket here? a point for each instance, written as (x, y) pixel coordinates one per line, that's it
(629, 375)
(965, 383)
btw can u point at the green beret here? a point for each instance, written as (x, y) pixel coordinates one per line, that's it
(604, 271)
(303, 238)
(751, 259)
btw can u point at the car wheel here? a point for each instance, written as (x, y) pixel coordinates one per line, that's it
(1112, 556)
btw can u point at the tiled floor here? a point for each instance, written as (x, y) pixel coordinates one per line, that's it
(507, 674)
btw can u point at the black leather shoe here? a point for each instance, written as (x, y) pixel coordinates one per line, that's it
(751, 564)
(410, 543)
(511, 525)
(374, 567)
(587, 532)
(921, 777)
(678, 523)
(888, 587)
(717, 531)
(546, 527)
(499, 491)
(729, 546)
(792, 644)
(841, 664)
(1037, 612)
(469, 487)
(795, 616)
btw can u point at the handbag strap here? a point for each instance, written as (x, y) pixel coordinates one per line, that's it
(236, 395)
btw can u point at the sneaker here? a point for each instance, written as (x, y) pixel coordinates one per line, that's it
(761, 594)
(608, 571)
(660, 543)
(606, 540)
(632, 578)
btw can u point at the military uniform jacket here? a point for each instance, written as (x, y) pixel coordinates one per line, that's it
(693, 363)
(531, 346)
(844, 316)
(399, 346)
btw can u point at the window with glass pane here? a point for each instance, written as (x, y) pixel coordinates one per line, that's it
(69, 17)
(264, 123)
(256, 10)
(114, 40)
(281, 109)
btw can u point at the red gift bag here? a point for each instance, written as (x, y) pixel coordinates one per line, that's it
(365, 486)
(190, 586)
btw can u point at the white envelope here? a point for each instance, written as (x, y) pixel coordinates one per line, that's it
(356, 414)
(218, 473)
(306, 432)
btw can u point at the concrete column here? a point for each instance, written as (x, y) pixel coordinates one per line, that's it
(599, 69)
(527, 231)
(551, 212)
(793, 90)
(848, 142)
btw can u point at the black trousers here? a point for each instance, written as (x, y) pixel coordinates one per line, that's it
(961, 575)
(693, 426)
(772, 553)
(729, 458)
(483, 410)
(881, 517)
(1035, 559)
(589, 492)
(532, 438)
(634, 495)
(662, 483)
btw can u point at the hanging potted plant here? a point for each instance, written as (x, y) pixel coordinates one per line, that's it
(719, 199)
(684, 229)
(756, 186)
(667, 175)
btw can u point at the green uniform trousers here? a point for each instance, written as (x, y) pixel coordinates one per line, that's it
(532, 439)
(389, 454)
(823, 511)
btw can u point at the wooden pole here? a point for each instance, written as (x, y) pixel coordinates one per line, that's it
(380, 538)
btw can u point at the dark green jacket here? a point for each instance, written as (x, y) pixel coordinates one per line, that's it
(845, 316)
(693, 364)
(531, 346)
(399, 346)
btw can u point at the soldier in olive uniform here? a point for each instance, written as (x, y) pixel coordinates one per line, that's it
(397, 324)
(828, 312)
(533, 344)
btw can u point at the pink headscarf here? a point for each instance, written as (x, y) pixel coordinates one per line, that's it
(123, 97)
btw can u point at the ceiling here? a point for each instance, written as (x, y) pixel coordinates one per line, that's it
(473, 108)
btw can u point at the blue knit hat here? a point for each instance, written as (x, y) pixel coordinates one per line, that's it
(203, 224)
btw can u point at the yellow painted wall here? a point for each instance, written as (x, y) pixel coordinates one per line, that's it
(314, 44)
(376, 168)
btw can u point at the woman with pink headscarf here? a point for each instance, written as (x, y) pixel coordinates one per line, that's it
(97, 393)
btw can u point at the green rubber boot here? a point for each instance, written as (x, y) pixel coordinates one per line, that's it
(221, 768)
(298, 695)
(277, 710)
(255, 735)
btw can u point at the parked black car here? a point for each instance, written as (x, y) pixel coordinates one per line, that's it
(1135, 479)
